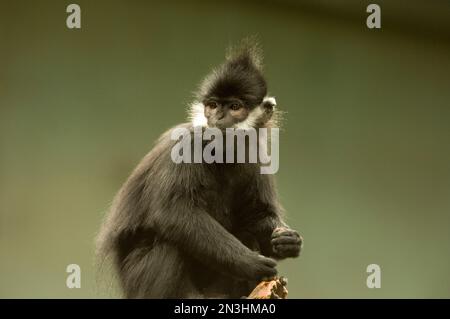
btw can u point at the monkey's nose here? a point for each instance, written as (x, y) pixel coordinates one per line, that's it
(220, 115)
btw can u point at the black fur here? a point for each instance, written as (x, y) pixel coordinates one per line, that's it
(198, 230)
(240, 76)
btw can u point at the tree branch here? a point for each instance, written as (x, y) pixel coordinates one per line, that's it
(271, 289)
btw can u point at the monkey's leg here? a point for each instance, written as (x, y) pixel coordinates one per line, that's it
(157, 272)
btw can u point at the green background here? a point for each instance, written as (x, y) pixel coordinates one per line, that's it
(364, 159)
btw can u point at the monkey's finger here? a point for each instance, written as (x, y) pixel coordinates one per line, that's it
(287, 249)
(270, 278)
(268, 261)
(285, 240)
(284, 232)
(268, 272)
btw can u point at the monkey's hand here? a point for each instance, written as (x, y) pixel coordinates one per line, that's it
(286, 242)
(257, 267)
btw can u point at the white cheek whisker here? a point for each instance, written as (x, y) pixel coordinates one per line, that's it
(271, 100)
(197, 114)
(251, 119)
(256, 114)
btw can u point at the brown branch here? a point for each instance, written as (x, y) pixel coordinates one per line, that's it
(271, 289)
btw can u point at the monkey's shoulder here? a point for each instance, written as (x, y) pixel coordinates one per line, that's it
(164, 163)
(160, 163)
(164, 144)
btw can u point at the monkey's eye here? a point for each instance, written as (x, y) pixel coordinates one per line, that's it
(235, 106)
(211, 104)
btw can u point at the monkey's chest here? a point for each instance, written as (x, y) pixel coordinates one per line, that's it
(230, 200)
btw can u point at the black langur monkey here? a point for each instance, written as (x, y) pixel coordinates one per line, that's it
(202, 230)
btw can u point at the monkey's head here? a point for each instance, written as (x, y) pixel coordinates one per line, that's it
(234, 94)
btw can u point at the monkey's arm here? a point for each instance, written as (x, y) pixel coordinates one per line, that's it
(199, 235)
(276, 239)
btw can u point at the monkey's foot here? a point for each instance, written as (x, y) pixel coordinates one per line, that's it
(271, 289)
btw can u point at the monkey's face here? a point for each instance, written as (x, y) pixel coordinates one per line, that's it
(225, 112)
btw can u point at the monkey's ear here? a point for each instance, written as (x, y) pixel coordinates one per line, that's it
(269, 103)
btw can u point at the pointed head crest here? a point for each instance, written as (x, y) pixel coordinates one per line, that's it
(239, 76)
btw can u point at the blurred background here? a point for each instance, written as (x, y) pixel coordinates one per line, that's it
(364, 159)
